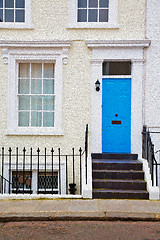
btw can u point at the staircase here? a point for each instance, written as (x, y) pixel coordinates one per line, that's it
(118, 176)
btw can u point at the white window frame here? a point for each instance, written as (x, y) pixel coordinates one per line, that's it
(13, 94)
(112, 21)
(15, 53)
(28, 19)
(39, 94)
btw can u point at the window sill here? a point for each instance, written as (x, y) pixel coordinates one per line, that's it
(92, 25)
(35, 131)
(16, 26)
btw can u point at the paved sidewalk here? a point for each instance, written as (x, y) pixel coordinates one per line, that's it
(79, 209)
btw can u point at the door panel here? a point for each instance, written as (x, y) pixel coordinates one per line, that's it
(116, 115)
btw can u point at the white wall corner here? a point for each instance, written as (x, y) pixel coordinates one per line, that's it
(87, 188)
(153, 190)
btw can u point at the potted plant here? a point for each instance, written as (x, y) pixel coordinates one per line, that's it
(72, 188)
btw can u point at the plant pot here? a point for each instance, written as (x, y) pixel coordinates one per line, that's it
(72, 188)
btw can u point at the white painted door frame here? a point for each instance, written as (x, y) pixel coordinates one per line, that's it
(132, 50)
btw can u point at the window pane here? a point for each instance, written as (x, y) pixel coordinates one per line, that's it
(1, 3)
(117, 68)
(24, 102)
(36, 119)
(82, 15)
(48, 103)
(24, 70)
(48, 86)
(48, 70)
(23, 120)
(36, 70)
(92, 17)
(82, 3)
(20, 3)
(36, 86)
(45, 180)
(104, 3)
(93, 3)
(9, 3)
(20, 16)
(48, 119)
(18, 176)
(36, 103)
(9, 15)
(103, 15)
(1, 15)
(23, 86)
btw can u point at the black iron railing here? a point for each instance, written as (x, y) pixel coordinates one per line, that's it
(149, 154)
(43, 171)
(4, 184)
(50, 170)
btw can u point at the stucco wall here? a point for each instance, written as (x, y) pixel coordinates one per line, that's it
(76, 112)
(152, 83)
(76, 101)
(50, 20)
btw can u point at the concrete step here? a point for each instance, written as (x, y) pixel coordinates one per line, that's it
(117, 174)
(99, 164)
(114, 156)
(120, 194)
(119, 184)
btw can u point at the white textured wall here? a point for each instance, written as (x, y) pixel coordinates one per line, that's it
(76, 104)
(152, 84)
(50, 19)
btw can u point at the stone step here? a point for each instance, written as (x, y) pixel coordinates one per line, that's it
(116, 164)
(117, 174)
(114, 156)
(120, 194)
(119, 184)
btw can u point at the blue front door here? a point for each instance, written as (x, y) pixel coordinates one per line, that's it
(116, 115)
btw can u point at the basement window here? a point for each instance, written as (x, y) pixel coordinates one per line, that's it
(21, 180)
(116, 68)
(48, 182)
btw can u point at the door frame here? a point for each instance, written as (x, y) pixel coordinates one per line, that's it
(128, 50)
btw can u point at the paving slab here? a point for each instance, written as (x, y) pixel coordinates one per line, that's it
(53, 205)
(4, 204)
(144, 206)
(83, 205)
(69, 209)
(21, 206)
(113, 205)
